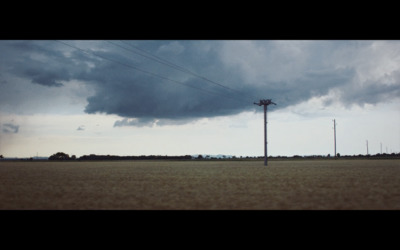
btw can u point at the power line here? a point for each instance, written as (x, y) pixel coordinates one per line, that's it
(152, 57)
(145, 71)
(176, 67)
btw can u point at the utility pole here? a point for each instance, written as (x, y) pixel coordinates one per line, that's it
(334, 135)
(265, 103)
(367, 148)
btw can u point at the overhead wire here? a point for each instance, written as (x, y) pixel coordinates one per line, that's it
(177, 67)
(145, 71)
(173, 65)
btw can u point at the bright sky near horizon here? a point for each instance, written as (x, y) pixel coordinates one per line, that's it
(166, 97)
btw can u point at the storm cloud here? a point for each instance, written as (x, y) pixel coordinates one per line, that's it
(175, 82)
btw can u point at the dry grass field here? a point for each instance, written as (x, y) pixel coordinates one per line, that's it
(201, 185)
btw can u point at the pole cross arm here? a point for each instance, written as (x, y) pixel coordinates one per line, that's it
(265, 102)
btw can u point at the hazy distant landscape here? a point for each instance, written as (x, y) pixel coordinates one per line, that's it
(201, 185)
(60, 156)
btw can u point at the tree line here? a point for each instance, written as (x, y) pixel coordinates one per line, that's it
(60, 156)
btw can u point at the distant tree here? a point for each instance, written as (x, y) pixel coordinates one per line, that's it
(73, 157)
(200, 157)
(329, 155)
(338, 155)
(1, 157)
(60, 156)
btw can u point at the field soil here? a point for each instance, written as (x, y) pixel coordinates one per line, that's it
(201, 185)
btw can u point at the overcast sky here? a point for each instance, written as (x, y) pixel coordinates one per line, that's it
(197, 97)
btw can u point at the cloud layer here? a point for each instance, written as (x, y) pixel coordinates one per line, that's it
(175, 82)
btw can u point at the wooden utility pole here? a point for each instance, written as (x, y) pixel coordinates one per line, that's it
(334, 135)
(265, 103)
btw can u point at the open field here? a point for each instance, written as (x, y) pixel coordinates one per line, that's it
(204, 185)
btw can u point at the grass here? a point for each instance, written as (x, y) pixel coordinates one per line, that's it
(204, 185)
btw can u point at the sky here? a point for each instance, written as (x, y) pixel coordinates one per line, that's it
(179, 97)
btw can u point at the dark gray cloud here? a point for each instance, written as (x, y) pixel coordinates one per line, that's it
(371, 94)
(37, 61)
(145, 91)
(134, 94)
(9, 128)
(150, 122)
(134, 122)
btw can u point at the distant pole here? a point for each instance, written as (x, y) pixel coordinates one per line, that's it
(381, 147)
(334, 135)
(265, 103)
(265, 136)
(367, 148)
